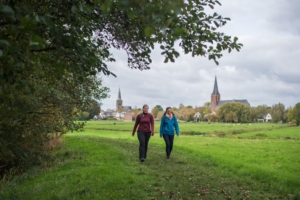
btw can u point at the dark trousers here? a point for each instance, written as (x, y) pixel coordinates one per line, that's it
(144, 139)
(169, 143)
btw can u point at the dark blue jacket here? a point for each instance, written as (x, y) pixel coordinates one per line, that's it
(167, 125)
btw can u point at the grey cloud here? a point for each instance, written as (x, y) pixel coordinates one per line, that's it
(284, 16)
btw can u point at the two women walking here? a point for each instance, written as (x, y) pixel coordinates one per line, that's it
(145, 123)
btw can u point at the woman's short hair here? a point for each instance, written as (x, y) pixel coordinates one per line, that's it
(145, 105)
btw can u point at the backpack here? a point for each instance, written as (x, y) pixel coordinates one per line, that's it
(149, 115)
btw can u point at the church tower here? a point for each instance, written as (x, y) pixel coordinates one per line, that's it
(119, 102)
(215, 96)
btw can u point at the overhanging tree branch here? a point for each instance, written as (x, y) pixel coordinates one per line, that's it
(45, 49)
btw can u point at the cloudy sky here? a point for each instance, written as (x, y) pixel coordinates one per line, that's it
(265, 71)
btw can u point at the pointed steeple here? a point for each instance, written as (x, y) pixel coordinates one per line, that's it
(119, 96)
(216, 91)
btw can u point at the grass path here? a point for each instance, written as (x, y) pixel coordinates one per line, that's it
(96, 167)
(259, 161)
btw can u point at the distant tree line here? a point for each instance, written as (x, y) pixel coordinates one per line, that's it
(234, 112)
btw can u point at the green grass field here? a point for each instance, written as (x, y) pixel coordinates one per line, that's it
(257, 161)
(190, 128)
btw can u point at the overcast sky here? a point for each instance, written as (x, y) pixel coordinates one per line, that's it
(265, 71)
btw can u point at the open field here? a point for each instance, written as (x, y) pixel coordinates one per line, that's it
(103, 164)
(204, 128)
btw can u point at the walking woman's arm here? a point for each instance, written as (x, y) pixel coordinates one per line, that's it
(137, 121)
(176, 127)
(161, 126)
(152, 125)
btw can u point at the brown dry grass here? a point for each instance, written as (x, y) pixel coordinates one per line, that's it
(55, 142)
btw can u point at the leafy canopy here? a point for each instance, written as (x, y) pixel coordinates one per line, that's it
(52, 51)
(72, 35)
(294, 114)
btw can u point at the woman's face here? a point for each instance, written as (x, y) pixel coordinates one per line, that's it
(145, 109)
(169, 111)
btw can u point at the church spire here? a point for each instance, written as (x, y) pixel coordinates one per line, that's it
(216, 91)
(119, 95)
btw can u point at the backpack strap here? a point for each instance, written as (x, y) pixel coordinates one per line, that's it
(150, 116)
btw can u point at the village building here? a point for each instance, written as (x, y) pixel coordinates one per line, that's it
(268, 117)
(216, 101)
(120, 113)
(119, 104)
(128, 116)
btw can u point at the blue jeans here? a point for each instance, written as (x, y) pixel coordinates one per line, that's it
(169, 143)
(144, 139)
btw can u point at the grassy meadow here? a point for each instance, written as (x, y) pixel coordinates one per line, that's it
(209, 161)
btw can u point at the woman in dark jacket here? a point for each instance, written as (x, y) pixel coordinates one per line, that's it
(146, 129)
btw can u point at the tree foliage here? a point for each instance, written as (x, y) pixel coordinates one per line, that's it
(231, 117)
(136, 112)
(206, 105)
(155, 112)
(236, 112)
(186, 114)
(181, 106)
(278, 112)
(294, 114)
(253, 114)
(58, 31)
(261, 111)
(159, 107)
(52, 51)
(93, 109)
(174, 109)
(32, 117)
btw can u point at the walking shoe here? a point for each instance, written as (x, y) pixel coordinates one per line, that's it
(168, 158)
(142, 159)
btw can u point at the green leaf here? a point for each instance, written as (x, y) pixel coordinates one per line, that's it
(131, 15)
(216, 24)
(179, 31)
(74, 9)
(148, 31)
(218, 3)
(20, 65)
(36, 40)
(106, 6)
(1, 52)
(8, 10)
(4, 42)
